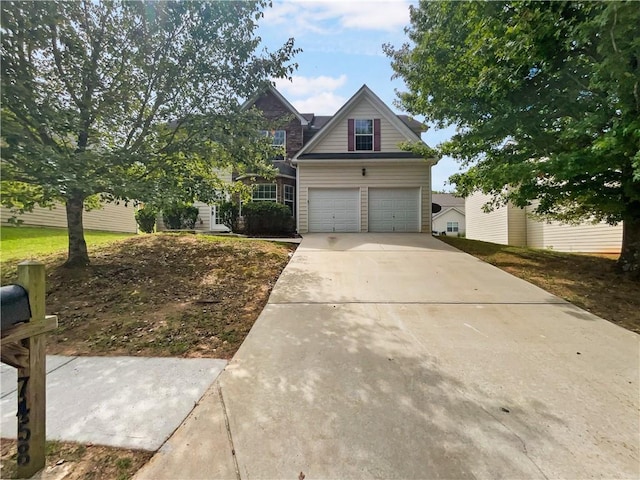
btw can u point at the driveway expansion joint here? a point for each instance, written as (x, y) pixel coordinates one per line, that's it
(229, 436)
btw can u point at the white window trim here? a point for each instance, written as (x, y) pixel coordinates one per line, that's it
(275, 193)
(290, 201)
(272, 135)
(356, 134)
(455, 227)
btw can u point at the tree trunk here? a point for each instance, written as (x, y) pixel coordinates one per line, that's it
(629, 260)
(78, 255)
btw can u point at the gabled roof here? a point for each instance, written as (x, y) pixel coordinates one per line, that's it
(447, 200)
(448, 209)
(304, 121)
(379, 105)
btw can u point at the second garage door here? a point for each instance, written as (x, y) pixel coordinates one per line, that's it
(394, 209)
(334, 209)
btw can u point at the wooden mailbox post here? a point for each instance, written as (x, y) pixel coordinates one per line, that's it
(23, 347)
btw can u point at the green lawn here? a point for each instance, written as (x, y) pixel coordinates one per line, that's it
(34, 242)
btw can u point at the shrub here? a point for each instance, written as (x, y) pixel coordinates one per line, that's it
(180, 216)
(229, 215)
(267, 218)
(146, 219)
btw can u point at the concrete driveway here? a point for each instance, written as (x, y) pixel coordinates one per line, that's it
(397, 356)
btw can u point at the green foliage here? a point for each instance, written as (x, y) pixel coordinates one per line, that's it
(267, 218)
(135, 100)
(180, 216)
(146, 219)
(22, 243)
(546, 97)
(229, 215)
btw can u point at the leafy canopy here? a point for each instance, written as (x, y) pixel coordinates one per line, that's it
(135, 100)
(545, 95)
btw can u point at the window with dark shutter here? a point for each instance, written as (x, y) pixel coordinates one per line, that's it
(376, 134)
(350, 134)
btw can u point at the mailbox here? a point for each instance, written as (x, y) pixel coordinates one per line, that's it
(14, 306)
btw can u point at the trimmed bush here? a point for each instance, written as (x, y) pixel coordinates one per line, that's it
(267, 218)
(229, 215)
(146, 219)
(180, 216)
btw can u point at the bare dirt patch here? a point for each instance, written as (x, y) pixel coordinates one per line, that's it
(151, 295)
(162, 295)
(590, 282)
(72, 461)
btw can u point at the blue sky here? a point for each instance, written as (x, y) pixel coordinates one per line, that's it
(342, 50)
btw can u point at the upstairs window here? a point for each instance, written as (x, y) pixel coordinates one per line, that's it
(265, 192)
(278, 137)
(363, 135)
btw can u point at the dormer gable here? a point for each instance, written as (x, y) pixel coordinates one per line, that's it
(364, 124)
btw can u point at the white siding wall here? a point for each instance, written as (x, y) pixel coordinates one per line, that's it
(336, 139)
(440, 223)
(488, 227)
(112, 218)
(517, 219)
(388, 175)
(598, 238)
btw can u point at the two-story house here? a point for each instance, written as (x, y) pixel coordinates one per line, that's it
(346, 172)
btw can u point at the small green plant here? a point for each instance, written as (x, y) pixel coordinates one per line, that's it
(146, 219)
(180, 216)
(229, 215)
(267, 218)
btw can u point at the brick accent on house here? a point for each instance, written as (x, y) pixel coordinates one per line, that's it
(274, 110)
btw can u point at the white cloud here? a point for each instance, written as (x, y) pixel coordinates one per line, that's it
(323, 103)
(300, 86)
(329, 17)
(313, 94)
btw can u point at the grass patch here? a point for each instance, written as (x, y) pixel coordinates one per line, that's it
(590, 282)
(21, 243)
(74, 461)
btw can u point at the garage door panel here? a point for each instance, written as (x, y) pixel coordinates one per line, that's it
(334, 210)
(394, 209)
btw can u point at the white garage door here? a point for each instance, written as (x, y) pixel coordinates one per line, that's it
(334, 209)
(394, 209)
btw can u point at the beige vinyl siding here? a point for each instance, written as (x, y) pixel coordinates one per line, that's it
(595, 238)
(517, 219)
(112, 217)
(440, 223)
(343, 176)
(336, 139)
(487, 227)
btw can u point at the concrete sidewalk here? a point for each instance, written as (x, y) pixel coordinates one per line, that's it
(397, 356)
(131, 402)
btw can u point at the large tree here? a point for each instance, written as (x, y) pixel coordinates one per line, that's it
(546, 97)
(128, 99)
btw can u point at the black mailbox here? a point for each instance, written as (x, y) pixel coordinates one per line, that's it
(14, 305)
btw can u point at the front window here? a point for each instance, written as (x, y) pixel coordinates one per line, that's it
(264, 192)
(452, 227)
(364, 134)
(289, 196)
(278, 137)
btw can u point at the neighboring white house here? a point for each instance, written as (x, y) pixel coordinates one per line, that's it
(111, 217)
(510, 225)
(450, 220)
(352, 175)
